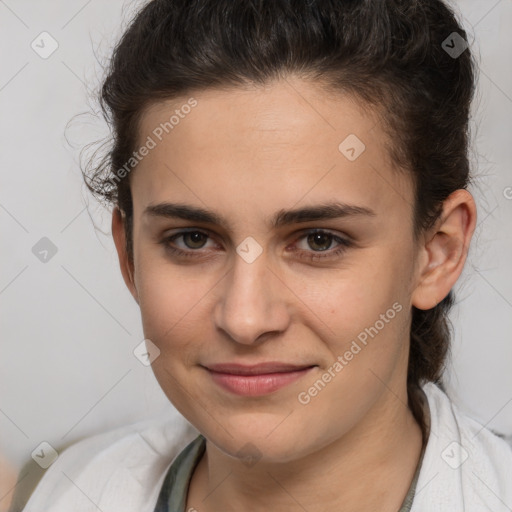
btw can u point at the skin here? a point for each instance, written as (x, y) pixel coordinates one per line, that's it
(247, 153)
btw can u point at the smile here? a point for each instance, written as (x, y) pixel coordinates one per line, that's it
(256, 384)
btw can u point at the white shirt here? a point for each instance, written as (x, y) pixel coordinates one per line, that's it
(466, 468)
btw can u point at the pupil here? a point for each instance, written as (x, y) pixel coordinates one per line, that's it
(196, 237)
(319, 237)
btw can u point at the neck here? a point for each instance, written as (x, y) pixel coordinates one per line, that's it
(369, 468)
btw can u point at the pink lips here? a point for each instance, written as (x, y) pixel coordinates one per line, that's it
(256, 380)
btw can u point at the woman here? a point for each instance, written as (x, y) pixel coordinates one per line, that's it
(289, 182)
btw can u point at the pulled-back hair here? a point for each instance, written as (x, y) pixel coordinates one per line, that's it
(391, 54)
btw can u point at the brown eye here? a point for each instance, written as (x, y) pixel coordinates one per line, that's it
(186, 244)
(194, 239)
(316, 245)
(320, 241)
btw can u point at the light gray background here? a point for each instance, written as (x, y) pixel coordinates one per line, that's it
(69, 326)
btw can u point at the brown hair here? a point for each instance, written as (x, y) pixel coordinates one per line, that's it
(392, 54)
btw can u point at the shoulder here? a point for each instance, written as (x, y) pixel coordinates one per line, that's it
(120, 470)
(477, 437)
(466, 466)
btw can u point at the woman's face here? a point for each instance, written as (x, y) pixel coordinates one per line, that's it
(246, 291)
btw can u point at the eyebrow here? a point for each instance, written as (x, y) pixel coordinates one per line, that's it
(325, 211)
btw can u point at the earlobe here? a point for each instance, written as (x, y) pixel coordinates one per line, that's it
(444, 250)
(126, 266)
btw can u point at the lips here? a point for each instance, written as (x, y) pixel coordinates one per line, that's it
(256, 380)
(257, 369)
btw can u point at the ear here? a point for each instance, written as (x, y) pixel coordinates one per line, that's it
(444, 249)
(127, 267)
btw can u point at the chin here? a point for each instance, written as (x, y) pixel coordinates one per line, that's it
(258, 441)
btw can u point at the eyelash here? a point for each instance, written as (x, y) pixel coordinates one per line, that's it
(308, 255)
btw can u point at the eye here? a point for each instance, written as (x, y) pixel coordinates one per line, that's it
(320, 241)
(193, 240)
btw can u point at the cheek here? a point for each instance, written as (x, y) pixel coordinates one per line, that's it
(171, 303)
(361, 312)
(367, 341)
(353, 298)
(174, 317)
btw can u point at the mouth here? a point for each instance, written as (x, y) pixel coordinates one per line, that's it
(256, 380)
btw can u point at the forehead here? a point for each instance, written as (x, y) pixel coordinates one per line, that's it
(282, 144)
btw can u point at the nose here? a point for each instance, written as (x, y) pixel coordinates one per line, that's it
(252, 302)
